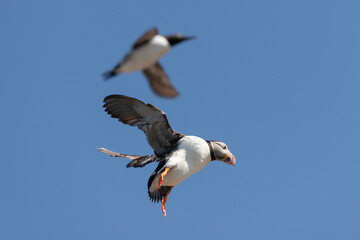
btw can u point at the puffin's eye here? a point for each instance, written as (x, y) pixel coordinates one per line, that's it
(224, 147)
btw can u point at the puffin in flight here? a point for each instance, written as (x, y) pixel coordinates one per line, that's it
(178, 155)
(144, 56)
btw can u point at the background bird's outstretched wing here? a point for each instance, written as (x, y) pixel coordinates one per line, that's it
(159, 81)
(145, 37)
(151, 120)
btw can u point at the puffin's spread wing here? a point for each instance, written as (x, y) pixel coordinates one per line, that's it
(159, 134)
(136, 160)
(159, 81)
(145, 37)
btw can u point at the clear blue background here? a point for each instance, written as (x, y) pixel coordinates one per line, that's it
(278, 81)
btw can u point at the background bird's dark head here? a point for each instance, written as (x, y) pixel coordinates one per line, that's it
(219, 151)
(177, 38)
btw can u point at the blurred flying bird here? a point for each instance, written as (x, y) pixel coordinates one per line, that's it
(144, 55)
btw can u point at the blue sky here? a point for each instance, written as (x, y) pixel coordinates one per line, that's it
(278, 81)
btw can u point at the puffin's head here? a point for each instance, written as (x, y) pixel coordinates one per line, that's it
(177, 38)
(219, 151)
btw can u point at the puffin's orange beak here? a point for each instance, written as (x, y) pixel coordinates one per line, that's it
(233, 160)
(230, 160)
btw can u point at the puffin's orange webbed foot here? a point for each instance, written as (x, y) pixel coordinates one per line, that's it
(163, 202)
(163, 175)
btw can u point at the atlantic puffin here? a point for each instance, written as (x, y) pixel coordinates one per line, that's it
(178, 155)
(144, 55)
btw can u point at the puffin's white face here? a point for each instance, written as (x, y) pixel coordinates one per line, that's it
(222, 153)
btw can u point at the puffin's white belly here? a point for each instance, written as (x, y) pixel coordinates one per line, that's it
(146, 55)
(192, 155)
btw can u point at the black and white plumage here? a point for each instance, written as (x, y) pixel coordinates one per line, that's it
(178, 155)
(144, 55)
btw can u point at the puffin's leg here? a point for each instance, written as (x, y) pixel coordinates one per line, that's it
(163, 175)
(163, 202)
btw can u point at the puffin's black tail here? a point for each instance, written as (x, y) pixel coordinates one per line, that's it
(109, 74)
(157, 195)
(137, 160)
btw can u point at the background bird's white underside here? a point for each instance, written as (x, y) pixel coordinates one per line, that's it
(146, 55)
